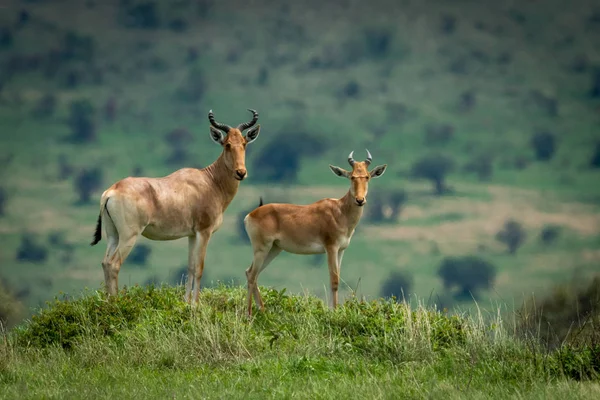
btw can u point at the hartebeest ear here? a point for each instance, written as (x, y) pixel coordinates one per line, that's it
(340, 171)
(252, 134)
(216, 135)
(378, 171)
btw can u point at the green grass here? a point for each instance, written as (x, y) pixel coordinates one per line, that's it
(150, 344)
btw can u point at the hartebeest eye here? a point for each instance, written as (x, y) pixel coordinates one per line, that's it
(228, 146)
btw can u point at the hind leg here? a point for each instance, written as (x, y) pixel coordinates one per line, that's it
(121, 238)
(262, 257)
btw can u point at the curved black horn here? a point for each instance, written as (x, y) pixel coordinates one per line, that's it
(369, 158)
(246, 125)
(223, 127)
(350, 159)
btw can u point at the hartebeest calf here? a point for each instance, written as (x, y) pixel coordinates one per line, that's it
(325, 226)
(189, 203)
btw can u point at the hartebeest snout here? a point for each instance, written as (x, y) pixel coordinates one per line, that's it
(325, 226)
(189, 203)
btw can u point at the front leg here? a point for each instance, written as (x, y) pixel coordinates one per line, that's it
(334, 275)
(197, 253)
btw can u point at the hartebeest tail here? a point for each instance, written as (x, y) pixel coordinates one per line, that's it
(325, 226)
(188, 203)
(98, 233)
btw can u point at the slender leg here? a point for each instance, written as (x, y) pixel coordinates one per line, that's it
(113, 266)
(260, 255)
(112, 239)
(202, 239)
(193, 254)
(334, 277)
(274, 252)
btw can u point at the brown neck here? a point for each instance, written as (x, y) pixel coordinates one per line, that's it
(351, 210)
(223, 181)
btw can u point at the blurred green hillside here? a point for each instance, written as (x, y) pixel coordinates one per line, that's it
(497, 101)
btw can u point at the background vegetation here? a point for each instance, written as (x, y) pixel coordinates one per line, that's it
(485, 112)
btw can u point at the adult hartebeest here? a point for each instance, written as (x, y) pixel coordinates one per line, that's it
(189, 203)
(325, 226)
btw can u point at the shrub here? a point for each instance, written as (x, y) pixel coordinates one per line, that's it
(31, 251)
(469, 273)
(139, 255)
(434, 167)
(550, 233)
(512, 235)
(398, 284)
(86, 182)
(544, 145)
(568, 315)
(81, 121)
(11, 309)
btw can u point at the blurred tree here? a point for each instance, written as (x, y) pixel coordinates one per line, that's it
(139, 255)
(194, 87)
(65, 170)
(438, 134)
(110, 109)
(398, 284)
(178, 140)
(81, 121)
(86, 182)
(550, 233)
(469, 273)
(448, 24)
(433, 167)
(6, 38)
(595, 159)
(31, 250)
(467, 101)
(76, 47)
(139, 15)
(377, 41)
(544, 145)
(482, 165)
(512, 235)
(45, 106)
(381, 201)
(280, 159)
(595, 90)
(3, 198)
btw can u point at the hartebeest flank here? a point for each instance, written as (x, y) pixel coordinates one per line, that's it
(189, 203)
(325, 226)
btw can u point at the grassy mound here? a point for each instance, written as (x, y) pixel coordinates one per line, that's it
(149, 342)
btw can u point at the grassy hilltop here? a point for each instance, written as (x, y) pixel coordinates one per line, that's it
(150, 344)
(498, 101)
